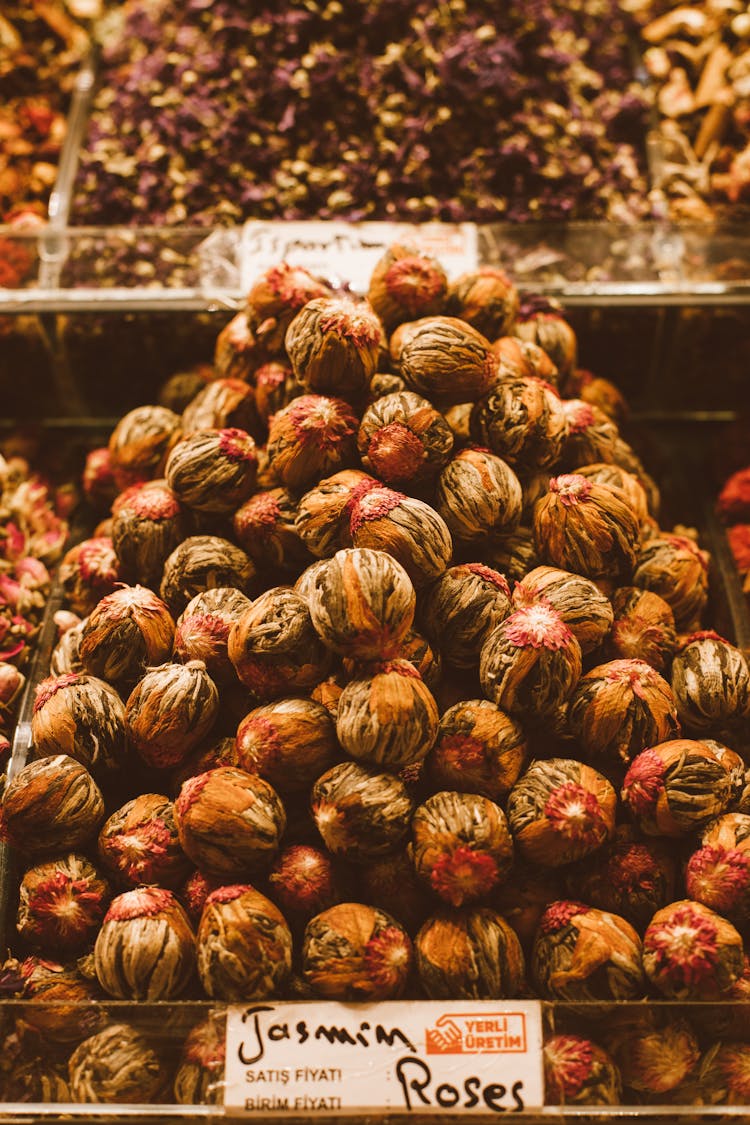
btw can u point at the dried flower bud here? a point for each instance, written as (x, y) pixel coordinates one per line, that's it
(275, 649)
(676, 787)
(51, 805)
(592, 438)
(333, 345)
(521, 359)
(628, 484)
(177, 390)
(203, 629)
(478, 494)
(147, 524)
(222, 404)
(392, 885)
(559, 811)
(551, 332)
(582, 606)
(83, 717)
(479, 749)
(275, 298)
(61, 904)
(406, 284)
(229, 822)
(620, 708)
(62, 1012)
(722, 1077)
(388, 717)
(442, 358)
(328, 692)
(356, 952)
(461, 846)
(98, 478)
(212, 470)
(139, 843)
(303, 882)
(199, 1078)
(65, 655)
(643, 628)
(691, 953)
(170, 710)
(237, 352)
(194, 894)
(12, 683)
(36, 1081)
(128, 631)
(469, 954)
(361, 814)
(513, 554)
(417, 650)
(486, 298)
(324, 512)
(718, 873)
(677, 569)
(408, 529)
(654, 1053)
(88, 572)
(531, 662)
(578, 1071)
(404, 440)
(584, 954)
(244, 946)
(587, 528)
(362, 603)
(140, 442)
(146, 947)
(117, 1065)
(289, 743)
(309, 438)
(711, 684)
(203, 562)
(599, 392)
(265, 527)
(522, 421)
(384, 383)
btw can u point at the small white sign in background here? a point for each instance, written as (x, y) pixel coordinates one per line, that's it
(322, 1058)
(348, 252)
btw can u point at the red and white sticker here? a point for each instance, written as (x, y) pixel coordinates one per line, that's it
(310, 1058)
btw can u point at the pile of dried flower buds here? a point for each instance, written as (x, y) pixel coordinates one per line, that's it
(733, 508)
(387, 682)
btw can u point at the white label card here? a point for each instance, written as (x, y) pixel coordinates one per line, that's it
(348, 252)
(322, 1058)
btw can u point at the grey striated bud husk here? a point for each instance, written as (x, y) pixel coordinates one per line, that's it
(52, 805)
(479, 749)
(404, 440)
(66, 653)
(83, 717)
(461, 609)
(265, 527)
(478, 494)
(513, 554)
(711, 684)
(170, 710)
(213, 470)
(148, 522)
(584, 954)
(140, 442)
(222, 403)
(129, 631)
(202, 562)
(139, 844)
(522, 421)
(274, 648)
(469, 954)
(244, 946)
(203, 630)
(361, 814)
(443, 358)
(117, 1064)
(334, 344)
(324, 512)
(387, 717)
(145, 949)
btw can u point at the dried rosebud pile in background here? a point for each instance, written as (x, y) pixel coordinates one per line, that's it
(459, 111)
(733, 508)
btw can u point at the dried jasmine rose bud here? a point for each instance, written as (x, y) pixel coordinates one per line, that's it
(52, 805)
(523, 898)
(676, 787)
(129, 631)
(513, 554)
(406, 528)
(229, 822)
(478, 494)
(691, 953)
(469, 954)
(735, 767)
(222, 404)
(177, 390)
(289, 742)
(643, 628)
(194, 894)
(244, 946)
(522, 421)
(203, 629)
(620, 708)
(199, 1078)
(303, 882)
(479, 749)
(580, 603)
(486, 298)
(403, 440)
(362, 603)
(274, 648)
(88, 572)
(275, 387)
(384, 383)
(552, 333)
(361, 814)
(212, 470)
(406, 284)
(139, 843)
(356, 952)
(711, 684)
(324, 512)
(592, 436)
(61, 904)
(461, 846)
(12, 683)
(654, 1053)
(276, 297)
(442, 358)
(140, 442)
(676, 569)
(237, 352)
(170, 710)
(333, 345)
(62, 1012)
(98, 478)
(65, 655)
(387, 717)
(36, 1081)
(147, 524)
(392, 885)
(578, 1071)
(265, 527)
(203, 562)
(309, 438)
(521, 359)
(718, 873)
(722, 1077)
(599, 392)
(83, 717)
(587, 528)
(146, 946)
(328, 692)
(559, 811)
(117, 1065)
(584, 954)
(628, 484)
(531, 662)
(417, 650)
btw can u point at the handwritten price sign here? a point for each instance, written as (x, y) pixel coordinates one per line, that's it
(426, 1057)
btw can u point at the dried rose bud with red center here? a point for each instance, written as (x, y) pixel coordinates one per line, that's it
(711, 684)
(177, 390)
(522, 421)
(655, 1052)
(63, 1012)
(12, 682)
(718, 872)
(733, 502)
(333, 345)
(146, 947)
(148, 522)
(275, 387)
(139, 843)
(406, 528)
(675, 568)
(478, 494)
(460, 610)
(579, 1072)
(274, 647)
(289, 743)
(129, 631)
(203, 630)
(83, 717)
(140, 442)
(170, 711)
(323, 513)
(244, 946)
(199, 1078)
(629, 484)
(98, 478)
(356, 952)
(303, 882)
(313, 436)
(204, 562)
(586, 527)
(461, 846)
(194, 894)
(361, 814)
(404, 440)
(213, 470)
(584, 954)
(276, 297)
(582, 606)
(599, 392)
(691, 953)
(61, 904)
(443, 358)
(592, 436)
(88, 572)
(551, 332)
(451, 945)
(406, 284)
(479, 749)
(486, 298)
(238, 352)
(265, 527)
(643, 628)
(676, 787)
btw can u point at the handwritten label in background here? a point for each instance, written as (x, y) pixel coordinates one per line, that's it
(348, 252)
(310, 1058)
